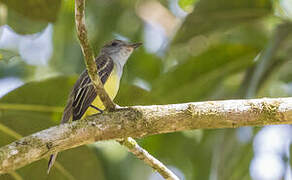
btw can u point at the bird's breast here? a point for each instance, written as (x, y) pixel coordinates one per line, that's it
(111, 86)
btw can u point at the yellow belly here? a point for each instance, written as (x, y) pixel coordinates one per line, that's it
(111, 86)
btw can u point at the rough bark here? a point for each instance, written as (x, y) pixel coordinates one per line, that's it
(140, 121)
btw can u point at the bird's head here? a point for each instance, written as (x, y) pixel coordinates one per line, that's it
(119, 50)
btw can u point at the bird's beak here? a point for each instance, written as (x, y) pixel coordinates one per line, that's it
(135, 45)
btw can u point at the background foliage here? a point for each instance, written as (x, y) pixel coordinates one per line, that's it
(194, 50)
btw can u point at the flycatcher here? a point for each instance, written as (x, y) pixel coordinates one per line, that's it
(83, 100)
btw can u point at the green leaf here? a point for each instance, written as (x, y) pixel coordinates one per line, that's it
(6, 55)
(187, 5)
(143, 65)
(46, 92)
(197, 77)
(132, 95)
(27, 17)
(212, 16)
(27, 25)
(13, 65)
(45, 11)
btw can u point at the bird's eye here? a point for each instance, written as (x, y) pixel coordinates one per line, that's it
(114, 44)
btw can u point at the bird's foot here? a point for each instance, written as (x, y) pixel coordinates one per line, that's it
(96, 108)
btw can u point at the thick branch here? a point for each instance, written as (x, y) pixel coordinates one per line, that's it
(140, 121)
(88, 55)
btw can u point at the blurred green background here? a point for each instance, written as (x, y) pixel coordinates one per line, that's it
(194, 50)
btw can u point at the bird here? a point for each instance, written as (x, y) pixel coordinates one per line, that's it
(83, 100)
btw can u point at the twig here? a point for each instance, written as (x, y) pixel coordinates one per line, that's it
(267, 58)
(88, 55)
(143, 155)
(92, 71)
(139, 121)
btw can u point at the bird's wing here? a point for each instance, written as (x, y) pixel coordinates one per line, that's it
(84, 92)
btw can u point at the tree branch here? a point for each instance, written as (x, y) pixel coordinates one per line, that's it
(143, 155)
(140, 121)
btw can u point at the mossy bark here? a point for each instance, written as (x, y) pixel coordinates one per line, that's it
(139, 121)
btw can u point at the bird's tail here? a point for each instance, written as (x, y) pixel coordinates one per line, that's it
(51, 161)
(67, 114)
